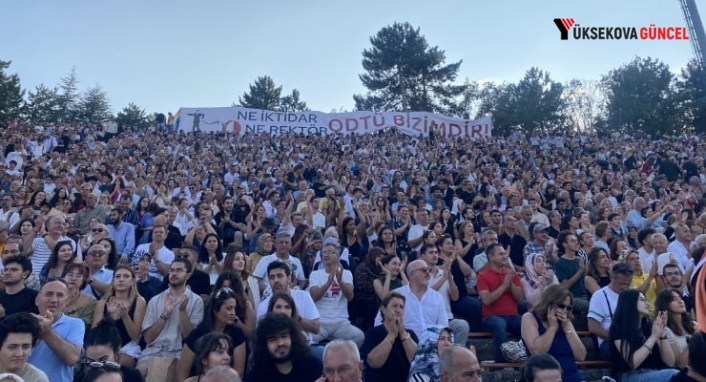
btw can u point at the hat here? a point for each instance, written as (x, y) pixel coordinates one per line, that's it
(269, 223)
(539, 227)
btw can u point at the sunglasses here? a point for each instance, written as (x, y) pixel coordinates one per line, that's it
(97, 253)
(565, 307)
(97, 230)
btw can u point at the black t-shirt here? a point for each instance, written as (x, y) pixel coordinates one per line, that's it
(396, 367)
(307, 371)
(517, 245)
(19, 302)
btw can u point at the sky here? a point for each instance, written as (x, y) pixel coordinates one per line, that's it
(163, 55)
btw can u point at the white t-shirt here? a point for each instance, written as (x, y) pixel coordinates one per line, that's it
(333, 305)
(443, 290)
(416, 231)
(165, 255)
(682, 255)
(261, 268)
(419, 314)
(304, 303)
(646, 259)
(11, 217)
(602, 308)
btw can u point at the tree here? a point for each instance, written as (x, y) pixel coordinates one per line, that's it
(94, 106)
(69, 97)
(11, 94)
(639, 97)
(535, 103)
(43, 104)
(691, 97)
(403, 73)
(292, 102)
(263, 95)
(133, 115)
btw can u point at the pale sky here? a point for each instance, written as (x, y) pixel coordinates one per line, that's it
(164, 55)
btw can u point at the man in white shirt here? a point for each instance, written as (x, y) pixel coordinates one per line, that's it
(416, 232)
(331, 289)
(8, 213)
(442, 281)
(647, 250)
(424, 306)
(283, 243)
(681, 247)
(603, 303)
(161, 256)
(279, 275)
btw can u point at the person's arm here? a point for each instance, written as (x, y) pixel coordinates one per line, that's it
(130, 242)
(97, 313)
(133, 325)
(185, 324)
(488, 298)
(577, 347)
(67, 352)
(382, 289)
(185, 363)
(247, 325)
(568, 283)
(379, 354)
(317, 292)
(590, 284)
(517, 293)
(441, 281)
(311, 326)
(535, 342)
(238, 359)
(595, 328)
(465, 268)
(99, 286)
(151, 333)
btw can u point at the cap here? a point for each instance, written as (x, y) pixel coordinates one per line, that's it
(539, 227)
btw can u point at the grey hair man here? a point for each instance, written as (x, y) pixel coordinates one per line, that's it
(342, 360)
(458, 364)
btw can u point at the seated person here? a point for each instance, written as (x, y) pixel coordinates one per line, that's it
(425, 365)
(103, 345)
(19, 331)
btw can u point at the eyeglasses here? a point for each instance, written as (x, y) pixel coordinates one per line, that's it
(73, 276)
(329, 252)
(177, 271)
(565, 307)
(423, 270)
(98, 230)
(97, 253)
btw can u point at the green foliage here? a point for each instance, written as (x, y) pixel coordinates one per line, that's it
(640, 98)
(264, 94)
(535, 103)
(403, 73)
(133, 115)
(94, 106)
(68, 96)
(691, 97)
(11, 94)
(43, 105)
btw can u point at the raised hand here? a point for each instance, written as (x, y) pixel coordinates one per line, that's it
(168, 304)
(183, 302)
(552, 319)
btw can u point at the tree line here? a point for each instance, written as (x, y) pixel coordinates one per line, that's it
(402, 72)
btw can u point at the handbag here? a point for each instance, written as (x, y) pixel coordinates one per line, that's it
(514, 351)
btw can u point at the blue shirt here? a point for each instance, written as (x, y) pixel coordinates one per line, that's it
(124, 237)
(70, 329)
(105, 276)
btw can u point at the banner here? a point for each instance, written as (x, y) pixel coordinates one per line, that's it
(241, 120)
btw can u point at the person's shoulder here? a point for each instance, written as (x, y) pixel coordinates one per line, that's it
(69, 321)
(131, 374)
(32, 373)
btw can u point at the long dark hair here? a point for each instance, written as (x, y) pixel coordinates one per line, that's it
(664, 298)
(271, 325)
(215, 302)
(112, 255)
(203, 252)
(628, 327)
(54, 258)
(237, 287)
(287, 298)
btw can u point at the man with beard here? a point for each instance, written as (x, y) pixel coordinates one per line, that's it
(171, 316)
(281, 353)
(61, 335)
(123, 233)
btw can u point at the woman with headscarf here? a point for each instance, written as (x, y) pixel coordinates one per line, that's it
(536, 278)
(425, 365)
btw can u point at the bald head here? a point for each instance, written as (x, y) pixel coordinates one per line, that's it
(221, 374)
(458, 364)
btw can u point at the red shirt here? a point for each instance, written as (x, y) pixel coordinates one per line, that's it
(490, 280)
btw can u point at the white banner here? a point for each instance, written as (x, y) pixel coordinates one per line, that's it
(241, 120)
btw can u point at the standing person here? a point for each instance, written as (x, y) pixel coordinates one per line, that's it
(281, 354)
(640, 350)
(389, 348)
(18, 335)
(331, 289)
(61, 336)
(16, 298)
(164, 328)
(500, 291)
(570, 270)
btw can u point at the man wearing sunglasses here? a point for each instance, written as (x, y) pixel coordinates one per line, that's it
(100, 277)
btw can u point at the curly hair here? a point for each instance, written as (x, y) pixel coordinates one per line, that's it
(274, 324)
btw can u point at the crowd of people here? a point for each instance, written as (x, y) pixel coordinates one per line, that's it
(370, 257)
